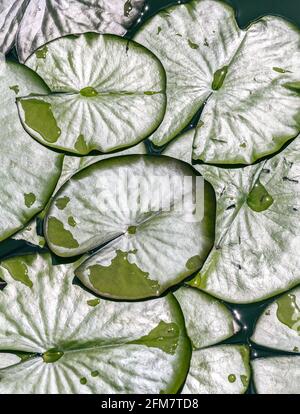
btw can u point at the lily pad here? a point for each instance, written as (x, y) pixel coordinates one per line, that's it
(207, 320)
(135, 204)
(32, 23)
(279, 325)
(82, 344)
(277, 375)
(28, 171)
(245, 77)
(257, 226)
(222, 369)
(97, 103)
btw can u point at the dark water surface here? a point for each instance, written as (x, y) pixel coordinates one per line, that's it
(246, 12)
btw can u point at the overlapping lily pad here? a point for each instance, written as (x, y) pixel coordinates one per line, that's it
(155, 240)
(97, 102)
(257, 227)
(28, 171)
(248, 79)
(81, 344)
(32, 23)
(219, 369)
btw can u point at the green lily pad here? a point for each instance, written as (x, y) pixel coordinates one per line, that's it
(222, 369)
(257, 226)
(279, 325)
(81, 344)
(32, 24)
(97, 103)
(277, 375)
(154, 242)
(207, 320)
(28, 171)
(245, 77)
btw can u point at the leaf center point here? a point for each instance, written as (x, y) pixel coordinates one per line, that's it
(52, 355)
(88, 92)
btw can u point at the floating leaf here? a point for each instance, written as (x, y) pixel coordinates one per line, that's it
(37, 22)
(97, 103)
(28, 171)
(277, 375)
(135, 203)
(279, 325)
(77, 348)
(222, 369)
(257, 226)
(242, 75)
(207, 320)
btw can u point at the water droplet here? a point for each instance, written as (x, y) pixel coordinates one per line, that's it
(219, 77)
(39, 117)
(29, 199)
(62, 202)
(131, 229)
(93, 302)
(83, 380)
(42, 53)
(15, 88)
(52, 355)
(288, 311)
(259, 199)
(193, 45)
(88, 92)
(71, 221)
(279, 70)
(231, 378)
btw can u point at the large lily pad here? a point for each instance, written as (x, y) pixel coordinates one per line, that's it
(28, 171)
(134, 203)
(97, 103)
(82, 344)
(36, 22)
(277, 375)
(257, 226)
(279, 325)
(247, 78)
